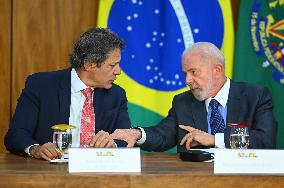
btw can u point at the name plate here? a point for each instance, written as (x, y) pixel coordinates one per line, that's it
(248, 161)
(104, 160)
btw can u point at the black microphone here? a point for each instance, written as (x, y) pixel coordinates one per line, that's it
(195, 155)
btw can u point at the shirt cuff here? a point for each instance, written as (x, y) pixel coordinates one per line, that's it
(27, 149)
(219, 140)
(143, 137)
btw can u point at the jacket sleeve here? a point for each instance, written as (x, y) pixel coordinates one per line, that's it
(24, 120)
(263, 132)
(164, 135)
(123, 120)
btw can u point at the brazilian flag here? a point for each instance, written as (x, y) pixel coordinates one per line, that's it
(156, 33)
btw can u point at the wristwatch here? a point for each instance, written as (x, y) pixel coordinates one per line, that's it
(29, 149)
(137, 135)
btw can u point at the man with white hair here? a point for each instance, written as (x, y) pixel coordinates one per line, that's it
(198, 117)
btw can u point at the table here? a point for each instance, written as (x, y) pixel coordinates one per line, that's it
(159, 170)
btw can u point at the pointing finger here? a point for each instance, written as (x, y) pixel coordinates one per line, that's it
(184, 139)
(187, 128)
(188, 141)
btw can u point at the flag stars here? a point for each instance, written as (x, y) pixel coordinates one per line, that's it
(157, 40)
(148, 45)
(129, 28)
(158, 77)
(196, 30)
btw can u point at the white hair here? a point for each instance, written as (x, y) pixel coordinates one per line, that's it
(208, 49)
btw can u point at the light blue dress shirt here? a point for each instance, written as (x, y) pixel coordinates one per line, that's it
(222, 98)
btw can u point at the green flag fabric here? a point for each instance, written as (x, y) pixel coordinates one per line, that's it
(259, 51)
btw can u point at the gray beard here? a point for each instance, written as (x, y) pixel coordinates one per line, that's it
(199, 97)
(196, 96)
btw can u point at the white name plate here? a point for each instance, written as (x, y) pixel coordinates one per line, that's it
(248, 161)
(104, 160)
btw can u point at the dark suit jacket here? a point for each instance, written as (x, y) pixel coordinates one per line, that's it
(46, 100)
(246, 103)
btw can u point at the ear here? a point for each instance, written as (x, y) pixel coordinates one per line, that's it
(218, 69)
(89, 66)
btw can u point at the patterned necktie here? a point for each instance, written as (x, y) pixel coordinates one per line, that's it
(87, 119)
(216, 120)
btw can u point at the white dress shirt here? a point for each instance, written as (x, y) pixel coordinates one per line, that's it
(76, 106)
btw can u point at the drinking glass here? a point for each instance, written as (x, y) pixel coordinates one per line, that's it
(62, 137)
(62, 140)
(239, 135)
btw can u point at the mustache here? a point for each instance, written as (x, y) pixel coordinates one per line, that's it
(193, 86)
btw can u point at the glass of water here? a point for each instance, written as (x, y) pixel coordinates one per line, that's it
(239, 135)
(62, 137)
(62, 140)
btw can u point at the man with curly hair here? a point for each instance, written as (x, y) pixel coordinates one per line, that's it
(58, 97)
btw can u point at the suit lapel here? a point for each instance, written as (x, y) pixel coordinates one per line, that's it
(65, 96)
(233, 109)
(233, 105)
(199, 115)
(98, 101)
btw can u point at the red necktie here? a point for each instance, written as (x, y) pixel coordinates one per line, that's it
(87, 119)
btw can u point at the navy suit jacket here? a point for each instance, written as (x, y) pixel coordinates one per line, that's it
(45, 101)
(246, 103)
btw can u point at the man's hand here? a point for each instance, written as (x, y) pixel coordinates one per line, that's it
(46, 151)
(196, 137)
(128, 135)
(102, 140)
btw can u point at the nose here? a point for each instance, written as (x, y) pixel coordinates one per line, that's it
(188, 79)
(117, 70)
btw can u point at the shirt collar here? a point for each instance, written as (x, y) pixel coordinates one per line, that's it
(76, 83)
(222, 95)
